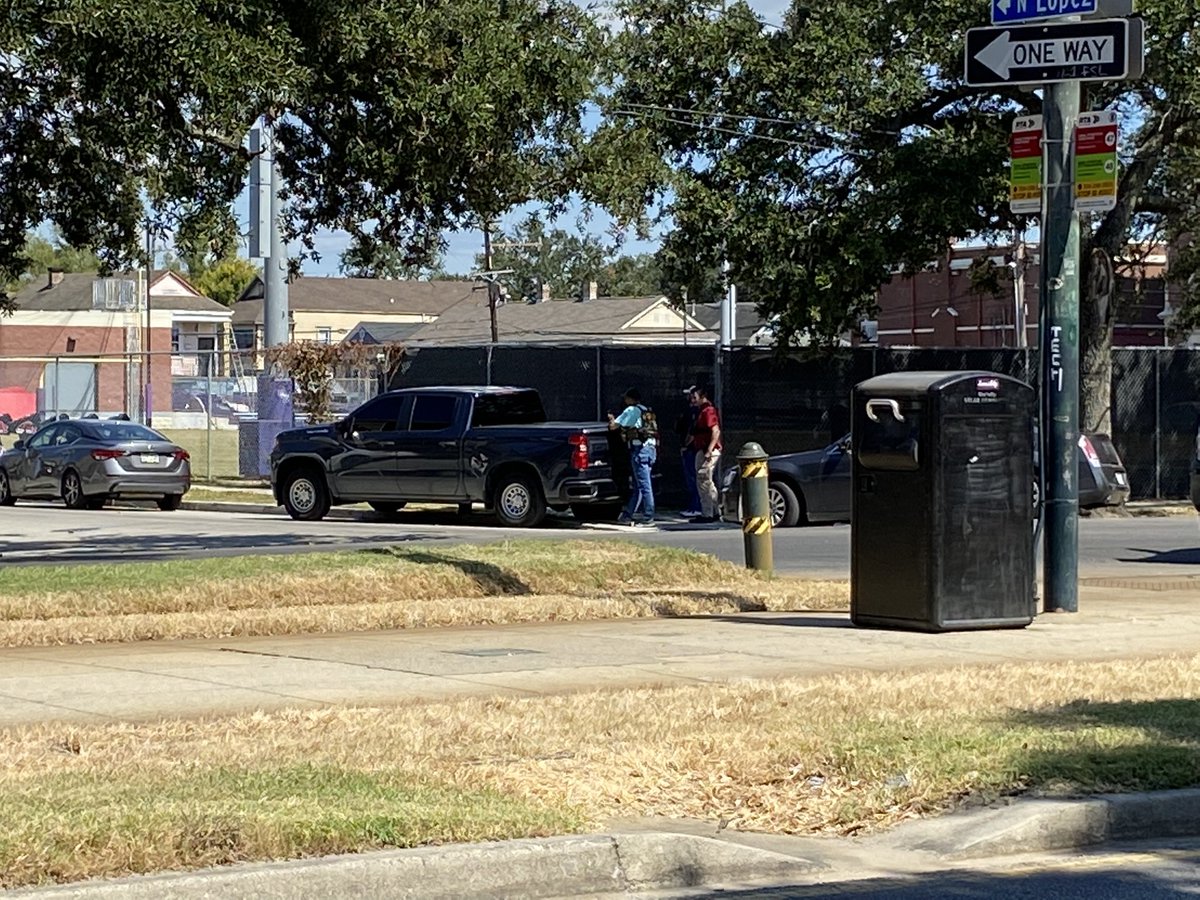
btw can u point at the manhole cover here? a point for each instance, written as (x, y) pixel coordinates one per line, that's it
(495, 651)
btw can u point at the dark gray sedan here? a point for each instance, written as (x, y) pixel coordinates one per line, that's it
(89, 461)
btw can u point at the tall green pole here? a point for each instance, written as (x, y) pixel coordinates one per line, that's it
(1060, 351)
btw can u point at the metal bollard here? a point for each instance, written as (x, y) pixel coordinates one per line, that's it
(756, 507)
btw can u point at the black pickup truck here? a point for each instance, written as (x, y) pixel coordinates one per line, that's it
(463, 445)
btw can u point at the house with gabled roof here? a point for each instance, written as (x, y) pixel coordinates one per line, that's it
(76, 342)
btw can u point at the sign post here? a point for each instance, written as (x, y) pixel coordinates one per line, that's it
(1025, 166)
(1060, 354)
(1078, 171)
(1096, 161)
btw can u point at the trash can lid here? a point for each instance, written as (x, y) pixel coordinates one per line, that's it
(921, 382)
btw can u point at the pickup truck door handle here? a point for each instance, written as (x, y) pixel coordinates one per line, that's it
(448, 445)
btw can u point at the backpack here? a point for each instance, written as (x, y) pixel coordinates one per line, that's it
(648, 429)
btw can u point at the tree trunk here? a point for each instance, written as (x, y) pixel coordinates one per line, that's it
(1096, 310)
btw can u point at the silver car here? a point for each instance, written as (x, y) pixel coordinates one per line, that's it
(89, 461)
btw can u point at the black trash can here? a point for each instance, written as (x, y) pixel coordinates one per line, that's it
(942, 511)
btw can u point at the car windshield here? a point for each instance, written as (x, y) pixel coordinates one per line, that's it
(120, 432)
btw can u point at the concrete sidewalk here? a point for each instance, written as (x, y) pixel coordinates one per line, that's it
(95, 683)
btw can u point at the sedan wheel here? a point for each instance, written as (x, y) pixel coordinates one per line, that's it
(72, 491)
(784, 505)
(6, 494)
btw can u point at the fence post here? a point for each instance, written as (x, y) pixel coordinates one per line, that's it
(599, 383)
(1157, 425)
(718, 378)
(489, 365)
(57, 383)
(208, 412)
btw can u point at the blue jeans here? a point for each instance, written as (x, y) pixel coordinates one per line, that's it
(689, 479)
(640, 460)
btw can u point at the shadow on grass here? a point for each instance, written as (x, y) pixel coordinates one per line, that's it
(1160, 750)
(491, 579)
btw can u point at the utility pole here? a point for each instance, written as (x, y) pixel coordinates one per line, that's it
(493, 288)
(274, 397)
(1060, 350)
(728, 309)
(1020, 263)
(491, 277)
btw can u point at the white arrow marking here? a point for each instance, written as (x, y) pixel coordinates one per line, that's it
(1002, 55)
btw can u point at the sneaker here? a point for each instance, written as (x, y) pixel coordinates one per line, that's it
(691, 513)
(645, 523)
(623, 519)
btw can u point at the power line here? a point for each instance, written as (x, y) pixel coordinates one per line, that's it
(702, 126)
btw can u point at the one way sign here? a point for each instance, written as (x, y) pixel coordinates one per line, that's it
(1096, 50)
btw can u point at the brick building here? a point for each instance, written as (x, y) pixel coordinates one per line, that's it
(971, 298)
(76, 343)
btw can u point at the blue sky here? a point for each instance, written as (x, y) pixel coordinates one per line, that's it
(462, 246)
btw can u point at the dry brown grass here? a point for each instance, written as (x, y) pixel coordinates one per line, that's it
(499, 583)
(836, 754)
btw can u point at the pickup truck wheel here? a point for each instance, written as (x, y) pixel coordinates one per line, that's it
(596, 512)
(518, 502)
(387, 507)
(305, 496)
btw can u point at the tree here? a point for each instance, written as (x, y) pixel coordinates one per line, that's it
(416, 119)
(312, 366)
(224, 281)
(816, 155)
(640, 275)
(40, 255)
(365, 257)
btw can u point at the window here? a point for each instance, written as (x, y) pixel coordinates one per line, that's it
(119, 432)
(434, 412)
(324, 335)
(243, 338)
(67, 434)
(381, 414)
(43, 438)
(523, 408)
(174, 338)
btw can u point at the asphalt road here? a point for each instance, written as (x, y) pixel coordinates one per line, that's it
(39, 533)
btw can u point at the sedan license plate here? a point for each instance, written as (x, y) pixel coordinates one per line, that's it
(150, 459)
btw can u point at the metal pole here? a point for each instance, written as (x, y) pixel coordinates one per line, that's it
(727, 302)
(756, 508)
(1157, 424)
(57, 382)
(1060, 351)
(208, 412)
(492, 287)
(149, 398)
(275, 302)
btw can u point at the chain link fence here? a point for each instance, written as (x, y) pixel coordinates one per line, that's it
(208, 401)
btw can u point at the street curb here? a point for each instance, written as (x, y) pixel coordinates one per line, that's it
(265, 510)
(1032, 826)
(550, 867)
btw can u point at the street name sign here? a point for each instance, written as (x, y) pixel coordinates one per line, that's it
(1093, 50)
(1025, 10)
(1096, 161)
(1025, 166)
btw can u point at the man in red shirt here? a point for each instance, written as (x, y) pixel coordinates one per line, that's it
(706, 441)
